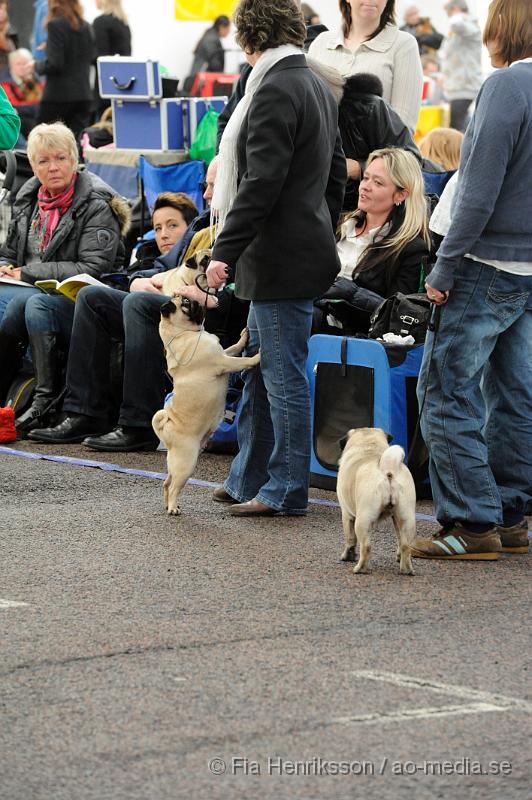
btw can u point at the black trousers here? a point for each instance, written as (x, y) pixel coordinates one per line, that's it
(459, 115)
(101, 317)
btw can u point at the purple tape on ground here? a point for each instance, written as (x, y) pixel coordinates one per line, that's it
(140, 473)
(83, 462)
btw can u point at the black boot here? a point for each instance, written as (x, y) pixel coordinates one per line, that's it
(47, 362)
(10, 362)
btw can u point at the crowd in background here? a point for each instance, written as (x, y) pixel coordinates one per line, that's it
(57, 79)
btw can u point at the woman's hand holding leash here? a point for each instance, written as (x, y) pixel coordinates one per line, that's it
(217, 274)
(435, 296)
(195, 293)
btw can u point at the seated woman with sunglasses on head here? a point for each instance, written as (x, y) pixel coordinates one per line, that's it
(383, 245)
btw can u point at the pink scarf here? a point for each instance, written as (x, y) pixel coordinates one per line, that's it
(51, 209)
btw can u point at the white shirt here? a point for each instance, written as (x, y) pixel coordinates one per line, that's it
(351, 247)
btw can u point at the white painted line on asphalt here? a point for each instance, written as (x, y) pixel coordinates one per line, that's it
(441, 688)
(480, 702)
(11, 604)
(418, 713)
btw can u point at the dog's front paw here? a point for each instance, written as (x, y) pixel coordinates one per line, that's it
(244, 335)
(349, 554)
(360, 569)
(174, 512)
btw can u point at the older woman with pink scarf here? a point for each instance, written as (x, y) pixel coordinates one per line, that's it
(64, 223)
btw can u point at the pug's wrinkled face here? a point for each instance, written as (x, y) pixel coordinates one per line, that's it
(176, 313)
(200, 260)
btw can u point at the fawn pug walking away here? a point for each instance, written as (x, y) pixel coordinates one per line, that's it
(200, 371)
(374, 483)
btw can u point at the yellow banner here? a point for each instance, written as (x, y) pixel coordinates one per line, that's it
(203, 9)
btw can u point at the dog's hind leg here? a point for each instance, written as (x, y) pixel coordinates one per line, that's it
(362, 526)
(350, 538)
(182, 459)
(405, 531)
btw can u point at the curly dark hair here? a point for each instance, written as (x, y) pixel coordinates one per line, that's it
(388, 15)
(263, 24)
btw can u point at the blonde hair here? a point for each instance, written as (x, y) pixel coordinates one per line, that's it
(442, 145)
(114, 7)
(407, 220)
(509, 24)
(50, 137)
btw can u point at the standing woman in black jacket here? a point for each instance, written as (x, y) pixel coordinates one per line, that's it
(70, 53)
(113, 38)
(8, 39)
(277, 197)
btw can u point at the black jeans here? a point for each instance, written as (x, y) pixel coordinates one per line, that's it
(101, 317)
(459, 116)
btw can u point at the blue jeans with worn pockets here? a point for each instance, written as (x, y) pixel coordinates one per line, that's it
(477, 419)
(273, 461)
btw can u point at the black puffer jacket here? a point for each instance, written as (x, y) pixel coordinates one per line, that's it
(363, 294)
(367, 123)
(87, 239)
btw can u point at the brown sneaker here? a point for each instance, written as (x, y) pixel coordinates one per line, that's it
(456, 543)
(515, 538)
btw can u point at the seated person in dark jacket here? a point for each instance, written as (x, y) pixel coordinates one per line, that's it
(383, 244)
(367, 123)
(65, 223)
(105, 314)
(96, 317)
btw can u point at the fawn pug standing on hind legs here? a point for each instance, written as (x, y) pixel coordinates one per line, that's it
(374, 483)
(200, 371)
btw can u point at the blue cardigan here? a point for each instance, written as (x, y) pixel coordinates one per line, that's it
(492, 211)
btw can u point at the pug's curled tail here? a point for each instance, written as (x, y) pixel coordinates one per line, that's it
(389, 464)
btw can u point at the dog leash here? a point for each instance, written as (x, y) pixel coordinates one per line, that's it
(434, 326)
(207, 292)
(183, 331)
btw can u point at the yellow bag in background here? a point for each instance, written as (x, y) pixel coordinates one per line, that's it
(430, 117)
(203, 9)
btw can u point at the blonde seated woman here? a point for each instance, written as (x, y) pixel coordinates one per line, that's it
(383, 245)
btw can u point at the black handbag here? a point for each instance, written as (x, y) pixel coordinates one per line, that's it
(402, 314)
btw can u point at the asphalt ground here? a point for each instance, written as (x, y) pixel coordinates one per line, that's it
(210, 657)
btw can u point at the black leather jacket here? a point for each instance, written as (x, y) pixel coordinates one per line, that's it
(367, 123)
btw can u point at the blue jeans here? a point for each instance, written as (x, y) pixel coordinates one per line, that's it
(49, 313)
(477, 419)
(12, 307)
(273, 462)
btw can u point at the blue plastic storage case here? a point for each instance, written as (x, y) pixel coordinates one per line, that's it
(197, 108)
(357, 383)
(127, 78)
(151, 125)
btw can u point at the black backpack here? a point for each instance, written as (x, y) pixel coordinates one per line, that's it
(402, 314)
